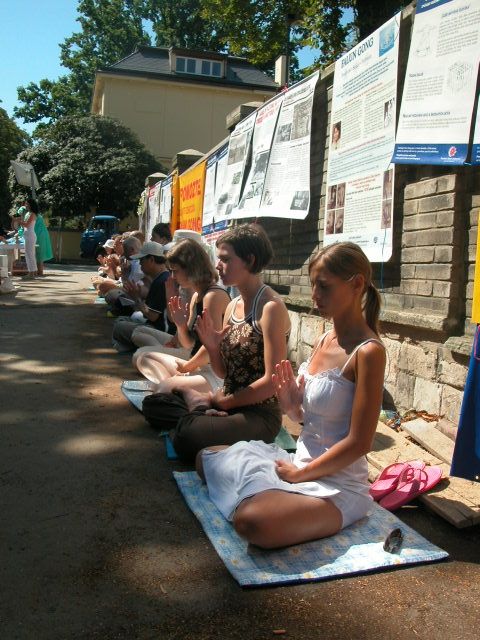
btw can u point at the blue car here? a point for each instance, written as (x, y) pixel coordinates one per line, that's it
(99, 230)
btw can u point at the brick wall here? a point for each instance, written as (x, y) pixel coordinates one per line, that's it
(426, 286)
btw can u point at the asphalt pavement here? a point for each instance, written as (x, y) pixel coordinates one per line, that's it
(96, 541)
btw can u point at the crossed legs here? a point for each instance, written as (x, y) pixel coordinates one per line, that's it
(274, 518)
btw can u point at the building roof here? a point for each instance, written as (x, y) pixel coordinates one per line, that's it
(154, 62)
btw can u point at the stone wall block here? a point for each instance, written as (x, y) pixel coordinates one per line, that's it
(393, 353)
(451, 403)
(311, 329)
(427, 396)
(418, 360)
(427, 238)
(443, 218)
(433, 271)
(410, 207)
(407, 271)
(295, 335)
(446, 183)
(420, 221)
(452, 373)
(436, 305)
(418, 254)
(403, 391)
(417, 287)
(420, 189)
(443, 254)
(436, 203)
(442, 289)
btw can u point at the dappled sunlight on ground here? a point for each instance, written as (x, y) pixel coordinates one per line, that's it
(97, 444)
(34, 367)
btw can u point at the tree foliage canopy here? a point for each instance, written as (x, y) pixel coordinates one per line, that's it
(88, 162)
(256, 29)
(12, 141)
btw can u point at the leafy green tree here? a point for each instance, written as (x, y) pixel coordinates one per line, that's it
(256, 29)
(88, 162)
(110, 30)
(184, 24)
(12, 141)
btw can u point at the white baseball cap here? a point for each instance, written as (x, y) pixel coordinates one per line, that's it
(149, 249)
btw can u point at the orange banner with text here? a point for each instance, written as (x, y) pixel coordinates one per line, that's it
(192, 184)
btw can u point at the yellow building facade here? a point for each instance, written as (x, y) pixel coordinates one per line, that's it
(172, 110)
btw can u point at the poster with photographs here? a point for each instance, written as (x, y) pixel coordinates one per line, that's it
(238, 150)
(165, 200)
(263, 132)
(286, 190)
(152, 209)
(439, 91)
(359, 198)
(209, 191)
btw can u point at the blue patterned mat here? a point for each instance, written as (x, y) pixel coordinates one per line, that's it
(356, 549)
(136, 390)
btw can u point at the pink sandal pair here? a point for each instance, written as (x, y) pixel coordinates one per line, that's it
(403, 481)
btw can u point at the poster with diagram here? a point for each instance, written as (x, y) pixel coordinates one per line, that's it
(209, 191)
(263, 133)
(359, 194)
(231, 177)
(165, 200)
(286, 190)
(152, 208)
(440, 81)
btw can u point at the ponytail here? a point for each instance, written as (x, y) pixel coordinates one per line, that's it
(372, 308)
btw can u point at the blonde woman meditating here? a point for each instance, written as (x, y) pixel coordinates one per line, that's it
(244, 353)
(275, 499)
(182, 361)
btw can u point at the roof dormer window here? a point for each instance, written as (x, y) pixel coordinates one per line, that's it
(197, 66)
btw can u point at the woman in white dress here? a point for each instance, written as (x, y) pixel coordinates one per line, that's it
(275, 499)
(28, 223)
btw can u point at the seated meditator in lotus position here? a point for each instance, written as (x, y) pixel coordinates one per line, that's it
(244, 353)
(181, 361)
(276, 499)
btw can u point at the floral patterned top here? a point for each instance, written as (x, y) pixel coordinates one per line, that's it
(242, 351)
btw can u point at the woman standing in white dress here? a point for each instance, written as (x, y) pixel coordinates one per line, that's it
(275, 500)
(28, 223)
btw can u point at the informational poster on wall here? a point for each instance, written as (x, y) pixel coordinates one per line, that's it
(209, 203)
(165, 200)
(191, 185)
(231, 183)
(476, 139)
(286, 191)
(439, 90)
(263, 132)
(359, 198)
(153, 211)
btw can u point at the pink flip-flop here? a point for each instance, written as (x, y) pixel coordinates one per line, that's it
(412, 482)
(389, 477)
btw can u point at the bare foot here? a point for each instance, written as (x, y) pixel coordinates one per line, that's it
(195, 399)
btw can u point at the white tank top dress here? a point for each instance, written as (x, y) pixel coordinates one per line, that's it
(248, 468)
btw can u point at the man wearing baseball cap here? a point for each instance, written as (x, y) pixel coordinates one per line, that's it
(154, 308)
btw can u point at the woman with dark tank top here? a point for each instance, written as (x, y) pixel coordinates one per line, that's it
(244, 353)
(183, 361)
